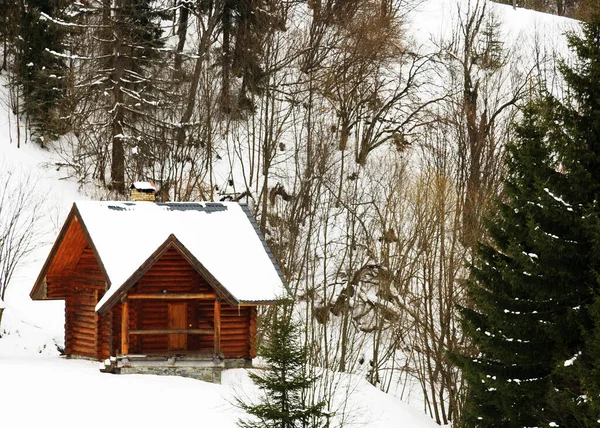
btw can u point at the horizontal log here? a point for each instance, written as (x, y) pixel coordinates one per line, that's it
(83, 346)
(174, 296)
(84, 352)
(84, 331)
(81, 338)
(82, 324)
(236, 331)
(235, 341)
(174, 331)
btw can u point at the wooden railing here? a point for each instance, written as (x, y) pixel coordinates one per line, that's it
(175, 331)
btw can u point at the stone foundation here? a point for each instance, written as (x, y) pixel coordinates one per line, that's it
(208, 370)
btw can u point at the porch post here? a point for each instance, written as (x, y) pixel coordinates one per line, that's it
(125, 327)
(252, 336)
(217, 314)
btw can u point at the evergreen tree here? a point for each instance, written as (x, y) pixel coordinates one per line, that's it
(535, 312)
(41, 68)
(245, 26)
(579, 132)
(285, 382)
(526, 288)
(123, 84)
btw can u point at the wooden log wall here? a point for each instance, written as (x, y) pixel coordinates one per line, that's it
(175, 275)
(252, 333)
(81, 324)
(235, 331)
(88, 334)
(115, 313)
(65, 259)
(85, 285)
(105, 330)
(203, 312)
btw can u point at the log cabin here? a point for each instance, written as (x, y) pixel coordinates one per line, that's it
(160, 279)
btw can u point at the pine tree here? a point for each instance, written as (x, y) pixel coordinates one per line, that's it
(284, 382)
(525, 288)
(579, 131)
(41, 68)
(123, 84)
(535, 314)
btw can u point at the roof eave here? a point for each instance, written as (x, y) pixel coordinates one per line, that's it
(259, 302)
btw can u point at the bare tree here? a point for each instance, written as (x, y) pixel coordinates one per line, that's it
(20, 212)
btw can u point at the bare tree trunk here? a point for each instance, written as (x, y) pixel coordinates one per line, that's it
(182, 27)
(117, 168)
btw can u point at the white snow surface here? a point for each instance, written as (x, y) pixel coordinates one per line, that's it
(125, 234)
(143, 185)
(55, 392)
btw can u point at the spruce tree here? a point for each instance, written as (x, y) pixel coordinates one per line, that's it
(534, 288)
(285, 382)
(124, 84)
(525, 288)
(577, 126)
(40, 64)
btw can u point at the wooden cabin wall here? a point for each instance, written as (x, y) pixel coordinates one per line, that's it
(204, 313)
(116, 313)
(57, 288)
(235, 331)
(81, 323)
(174, 274)
(105, 332)
(85, 286)
(59, 276)
(147, 315)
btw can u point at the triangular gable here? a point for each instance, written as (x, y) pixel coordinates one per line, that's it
(68, 236)
(113, 296)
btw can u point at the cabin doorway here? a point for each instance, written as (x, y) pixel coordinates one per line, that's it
(177, 321)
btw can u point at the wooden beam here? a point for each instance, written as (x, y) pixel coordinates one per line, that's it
(174, 296)
(217, 322)
(252, 333)
(174, 331)
(96, 328)
(125, 328)
(258, 303)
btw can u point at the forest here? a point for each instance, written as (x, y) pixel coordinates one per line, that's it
(373, 162)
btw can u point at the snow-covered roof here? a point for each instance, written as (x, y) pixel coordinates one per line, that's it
(143, 186)
(222, 240)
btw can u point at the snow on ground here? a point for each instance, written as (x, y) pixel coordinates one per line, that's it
(55, 392)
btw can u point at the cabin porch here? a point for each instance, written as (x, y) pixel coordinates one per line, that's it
(173, 311)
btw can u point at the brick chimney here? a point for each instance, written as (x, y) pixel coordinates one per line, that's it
(142, 191)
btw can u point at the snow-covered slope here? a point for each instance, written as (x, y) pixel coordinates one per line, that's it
(32, 376)
(53, 392)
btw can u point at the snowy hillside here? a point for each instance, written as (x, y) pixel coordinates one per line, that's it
(31, 370)
(37, 385)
